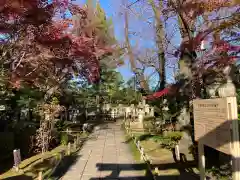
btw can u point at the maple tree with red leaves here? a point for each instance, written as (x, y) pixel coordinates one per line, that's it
(43, 48)
(46, 47)
(221, 52)
(189, 11)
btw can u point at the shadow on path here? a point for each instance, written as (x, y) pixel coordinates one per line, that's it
(118, 169)
(67, 162)
(20, 177)
(64, 166)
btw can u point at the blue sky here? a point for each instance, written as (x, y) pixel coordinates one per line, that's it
(145, 37)
(112, 11)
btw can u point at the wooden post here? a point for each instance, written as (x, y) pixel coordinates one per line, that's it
(138, 144)
(40, 175)
(142, 153)
(69, 149)
(75, 143)
(235, 146)
(201, 161)
(177, 152)
(17, 159)
(156, 170)
(148, 158)
(78, 140)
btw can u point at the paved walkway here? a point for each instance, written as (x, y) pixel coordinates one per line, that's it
(105, 156)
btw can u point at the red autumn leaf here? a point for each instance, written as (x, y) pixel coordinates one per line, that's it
(46, 50)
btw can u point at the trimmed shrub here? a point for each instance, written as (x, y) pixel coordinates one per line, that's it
(171, 140)
(64, 138)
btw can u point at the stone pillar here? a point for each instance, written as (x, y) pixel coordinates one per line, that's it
(119, 109)
(165, 105)
(140, 119)
(228, 89)
(141, 116)
(127, 110)
(186, 141)
(147, 109)
(212, 89)
(140, 104)
(108, 106)
(151, 113)
(134, 112)
(144, 102)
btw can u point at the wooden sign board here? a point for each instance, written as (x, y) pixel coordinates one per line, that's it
(216, 125)
(212, 123)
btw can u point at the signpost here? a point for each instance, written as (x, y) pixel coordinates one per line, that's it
(216, 125)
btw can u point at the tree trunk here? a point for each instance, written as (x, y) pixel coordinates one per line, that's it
(184, 119)
(160, 36)
(143, 83)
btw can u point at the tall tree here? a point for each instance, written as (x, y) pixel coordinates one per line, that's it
(45, 48)
(133, 60)
(160, 40)
(45, 51)
(188, 12)
(214, 59)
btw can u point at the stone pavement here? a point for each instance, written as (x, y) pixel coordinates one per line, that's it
(105, 156)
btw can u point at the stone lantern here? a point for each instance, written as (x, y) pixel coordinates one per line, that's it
(227, 89)
(212, 89)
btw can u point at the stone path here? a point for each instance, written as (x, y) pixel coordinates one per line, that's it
(105, 156)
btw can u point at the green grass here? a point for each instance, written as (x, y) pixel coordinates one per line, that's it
(40, 156)
(133, 148)
(40, 162)
(35, 163)
(135, 152)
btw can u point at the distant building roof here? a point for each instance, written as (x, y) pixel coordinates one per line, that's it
(170, 90)
(158, 94)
